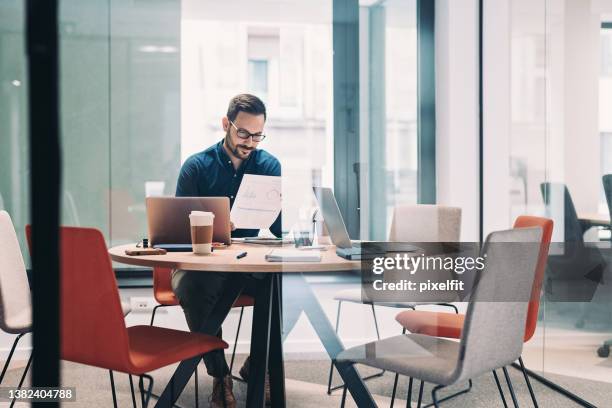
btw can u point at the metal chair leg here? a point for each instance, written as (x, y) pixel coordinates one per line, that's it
(369, 377)
(231, 367)
(195, 380)
(514, 401)
(556, 387)
(331, 366)
(25, 372)
(149, 389)
(533, 397)
(396, 379)
(133, 394)
(499, 388)
(420, 394)
(463, 391)
(375, 321)
(434, 397)
(141, 387)
(10, 356)
(112, 381)
(394, 390)
(409, 394)
(153, 314)
(343, 396)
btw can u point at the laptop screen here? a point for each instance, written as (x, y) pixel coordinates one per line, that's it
(332, 216)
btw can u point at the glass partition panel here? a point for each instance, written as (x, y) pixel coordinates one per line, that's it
(558, 153)
(14, 152)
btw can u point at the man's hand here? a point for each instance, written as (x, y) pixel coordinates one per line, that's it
(232, 226)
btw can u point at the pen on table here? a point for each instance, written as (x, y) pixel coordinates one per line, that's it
(241, 255)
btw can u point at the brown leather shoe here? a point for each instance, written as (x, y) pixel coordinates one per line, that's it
(222, 390)
(244, 373)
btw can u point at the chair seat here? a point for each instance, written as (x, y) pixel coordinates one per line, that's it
(354, 296)
(432, 323)
(18, 323)
(155, 347)
(166, 297)
(431, 359)
(244, 301)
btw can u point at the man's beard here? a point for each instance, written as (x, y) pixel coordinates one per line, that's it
(234, 148)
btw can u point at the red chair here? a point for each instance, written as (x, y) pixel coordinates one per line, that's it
(164, 295)
(93, 329)
(450, 325)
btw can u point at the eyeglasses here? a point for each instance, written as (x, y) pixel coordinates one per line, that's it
(245, 134)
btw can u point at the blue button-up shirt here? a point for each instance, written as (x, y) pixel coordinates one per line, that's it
(211, 174)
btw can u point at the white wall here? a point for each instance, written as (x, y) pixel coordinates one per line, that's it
(581, 114)
(457, 110)
(496, 115)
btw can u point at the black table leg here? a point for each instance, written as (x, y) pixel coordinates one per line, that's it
(260, 341)
(300, 293)
(275, 360)
(211, 326)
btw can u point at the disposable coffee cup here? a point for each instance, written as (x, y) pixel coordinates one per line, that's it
(201, 231)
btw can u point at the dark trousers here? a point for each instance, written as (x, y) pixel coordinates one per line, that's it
(199, 292)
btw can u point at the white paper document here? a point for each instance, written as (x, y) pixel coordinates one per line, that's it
(292, 255)
(258, 202)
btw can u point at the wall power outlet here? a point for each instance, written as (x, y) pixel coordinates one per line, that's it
(142, 304)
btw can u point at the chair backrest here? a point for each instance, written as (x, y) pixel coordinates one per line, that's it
(494, 324)
(15, 298)
(425, 223)
(557, 198)
(162, 282)
(607, 183)
(526, 221)
(92, 324)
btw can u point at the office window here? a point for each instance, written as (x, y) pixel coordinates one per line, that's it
(388, 88)
(258, 78)
(282, 52)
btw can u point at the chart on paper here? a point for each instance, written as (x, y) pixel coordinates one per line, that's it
(258, 202)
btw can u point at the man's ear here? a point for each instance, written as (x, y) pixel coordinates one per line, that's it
(225, 123)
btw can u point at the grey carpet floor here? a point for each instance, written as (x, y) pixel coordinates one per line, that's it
(306, 386)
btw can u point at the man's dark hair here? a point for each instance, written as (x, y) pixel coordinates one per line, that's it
(245, 103)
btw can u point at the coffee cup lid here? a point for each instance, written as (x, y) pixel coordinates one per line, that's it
(202, 213)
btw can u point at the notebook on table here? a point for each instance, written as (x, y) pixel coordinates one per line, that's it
(292, 255)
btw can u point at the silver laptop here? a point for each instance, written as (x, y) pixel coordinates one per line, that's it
(339, 235)
(168, 219)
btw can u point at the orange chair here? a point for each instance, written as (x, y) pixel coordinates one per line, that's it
(93, 329)
(164, 295)
(450, 325)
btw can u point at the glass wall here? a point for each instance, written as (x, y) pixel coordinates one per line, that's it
(120, 123)
(558, 151)
(153, 81)
(120, 112)
(14, 153)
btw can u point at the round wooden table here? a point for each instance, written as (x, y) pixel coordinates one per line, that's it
(266, 337)
(224, 260)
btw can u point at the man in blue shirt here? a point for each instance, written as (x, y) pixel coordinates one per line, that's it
(217, 172)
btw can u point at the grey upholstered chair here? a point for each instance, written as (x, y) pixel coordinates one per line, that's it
(410, 223)
(15, 300)
(492, 336)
